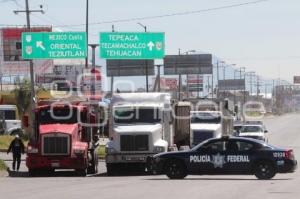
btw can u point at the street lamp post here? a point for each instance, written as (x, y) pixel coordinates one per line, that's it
(180, 81)
(146, 62)
(93, 84)
(251, 74)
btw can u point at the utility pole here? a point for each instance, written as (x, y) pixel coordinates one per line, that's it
(112, 77)
(217, 93)
(158, 76)
(234, 92)
(266, 87)
(147, 81)
(244, 91)
(212, 85)
(93, 83)
(87, 32)
(273, 94)
(32, 92)
(257, 87)
(252, 74)
(208, 84)
(224, 78)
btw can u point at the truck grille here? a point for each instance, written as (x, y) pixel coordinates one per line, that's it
(134, 143)
(56, 144)
(200, 136)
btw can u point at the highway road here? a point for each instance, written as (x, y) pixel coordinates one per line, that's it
(284, 131)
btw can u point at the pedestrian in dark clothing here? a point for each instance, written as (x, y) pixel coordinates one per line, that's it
(16, 147)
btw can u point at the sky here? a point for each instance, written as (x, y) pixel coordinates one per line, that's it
(263, 37)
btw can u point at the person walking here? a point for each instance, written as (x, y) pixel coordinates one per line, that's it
(16, 147)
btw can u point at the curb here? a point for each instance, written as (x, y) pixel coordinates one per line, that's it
(3, 150)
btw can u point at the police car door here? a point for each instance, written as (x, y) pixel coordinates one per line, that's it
(210, 158)
(238, 156)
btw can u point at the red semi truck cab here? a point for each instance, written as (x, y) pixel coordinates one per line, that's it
(63, 140)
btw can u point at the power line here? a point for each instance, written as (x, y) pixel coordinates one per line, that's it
(169, 15)
(8, 1)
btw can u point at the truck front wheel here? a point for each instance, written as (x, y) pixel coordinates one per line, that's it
(111, 169)
(33, 172)
(81, 172)
(93, 168)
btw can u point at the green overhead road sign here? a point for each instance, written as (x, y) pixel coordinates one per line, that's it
(54, 45)
(132, 45)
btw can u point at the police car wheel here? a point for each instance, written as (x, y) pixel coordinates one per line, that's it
(265, 170)
(175, 169)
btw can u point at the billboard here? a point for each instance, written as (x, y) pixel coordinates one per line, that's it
(195, 83)
(188, 64)
(91, 80)
(167, 84)
(11, 62)
(128, 67)
(60, 72)
(296, 79)
(231, 84)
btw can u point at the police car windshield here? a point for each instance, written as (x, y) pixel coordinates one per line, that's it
(201, 144)
(251, 129)
(206, 117)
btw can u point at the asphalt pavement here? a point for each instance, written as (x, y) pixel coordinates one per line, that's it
(283, 132)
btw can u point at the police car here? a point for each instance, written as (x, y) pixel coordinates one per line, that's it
(226, 155)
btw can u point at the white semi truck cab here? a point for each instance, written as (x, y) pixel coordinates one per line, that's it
(205, 125)
(9, 120)
(140, 126)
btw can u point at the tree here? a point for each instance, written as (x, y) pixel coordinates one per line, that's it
(22, 93)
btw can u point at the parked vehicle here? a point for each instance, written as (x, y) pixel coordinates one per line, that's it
(205, 125)
(140, 126)
(226, 155)
(253, 131)
(237, 126)
(9, 120)
(63, 138)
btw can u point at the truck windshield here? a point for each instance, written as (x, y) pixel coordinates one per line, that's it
(137, 115)
(62, 115)
(8, 114)
(210, 118)
(251, 129)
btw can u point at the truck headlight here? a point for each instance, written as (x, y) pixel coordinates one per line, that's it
(159, 149)
(157, 159)
(78, 151)
(32, 149)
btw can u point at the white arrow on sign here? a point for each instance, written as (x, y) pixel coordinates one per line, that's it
(150, 45)
(39, 44)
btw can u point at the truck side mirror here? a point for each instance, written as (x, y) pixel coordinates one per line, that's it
(25, 121)
(236, 109)
(226, 105)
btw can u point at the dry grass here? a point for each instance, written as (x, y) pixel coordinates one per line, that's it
(5, 141)
(2, 165)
